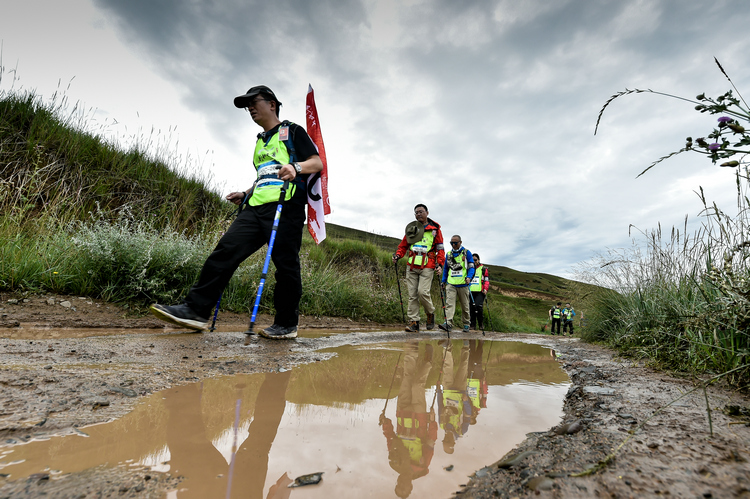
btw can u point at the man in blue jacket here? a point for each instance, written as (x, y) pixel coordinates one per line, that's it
(457, 275)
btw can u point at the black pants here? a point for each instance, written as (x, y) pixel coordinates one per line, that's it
(247, 234)
(477, 310)
(568, 324)
(556, 324)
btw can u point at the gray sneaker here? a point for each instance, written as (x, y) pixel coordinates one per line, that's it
(277, 332)
(180, 315)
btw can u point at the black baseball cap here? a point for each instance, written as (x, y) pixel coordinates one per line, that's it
(243, 100)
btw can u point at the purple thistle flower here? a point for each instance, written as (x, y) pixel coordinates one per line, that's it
(714, 147)
(724, 119)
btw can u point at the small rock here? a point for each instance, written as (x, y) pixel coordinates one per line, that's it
(66, 304)
(99, 402)
(13, 301)
(48, 367)
(449, 468)
(514, 460)
(569, 428)
(50, 301)
(310, 479)
(598, 390)
(540, 483)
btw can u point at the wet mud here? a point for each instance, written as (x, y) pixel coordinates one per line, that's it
(52, 385)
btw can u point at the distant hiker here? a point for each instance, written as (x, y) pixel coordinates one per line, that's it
(567, 316)
(425, 255)
(478, 287)
(283, 152)
(555, 315)
(457, 275)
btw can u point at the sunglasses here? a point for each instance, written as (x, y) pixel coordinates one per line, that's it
(455, 242)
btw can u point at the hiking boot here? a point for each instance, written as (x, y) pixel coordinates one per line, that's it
(413, 327)
(180, 315)
(466, 328)
(445, 327)
(277, 332)
(430, 322)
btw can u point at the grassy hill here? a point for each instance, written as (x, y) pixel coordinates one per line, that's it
(80, 216)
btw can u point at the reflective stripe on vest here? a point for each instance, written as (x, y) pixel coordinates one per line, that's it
(457, 276)
(267, 158)
(476, 282)
(418, 252)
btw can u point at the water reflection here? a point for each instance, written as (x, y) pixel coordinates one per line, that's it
(249, 435)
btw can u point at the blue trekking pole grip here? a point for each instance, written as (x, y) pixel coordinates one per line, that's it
(263, 275)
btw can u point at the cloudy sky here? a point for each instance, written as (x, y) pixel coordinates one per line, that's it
(482, 110)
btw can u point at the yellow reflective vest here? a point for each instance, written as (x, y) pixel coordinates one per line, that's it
(271, 154)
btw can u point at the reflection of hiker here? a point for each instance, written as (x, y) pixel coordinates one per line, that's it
(567, 315)
(283, 152)
(476, 385)
(412, 444)
(454, 405)
(424, 243)
(555, 315)
(480, 283)
(195, 457)
(457, 274)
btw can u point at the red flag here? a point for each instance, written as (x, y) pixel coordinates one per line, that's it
(317, 184)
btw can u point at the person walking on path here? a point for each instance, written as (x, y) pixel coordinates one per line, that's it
(283, 152)
(479, 286)
(555, 315)
(567, 316)
(457, 275)
(423, 246)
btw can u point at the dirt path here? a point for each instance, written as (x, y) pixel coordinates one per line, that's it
(52, 385)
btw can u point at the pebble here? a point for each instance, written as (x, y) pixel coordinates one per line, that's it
(569, 428)
(50, 301)
(540, 483)
(13, 301)
(66, 304)
(599, 390)
(513, 461)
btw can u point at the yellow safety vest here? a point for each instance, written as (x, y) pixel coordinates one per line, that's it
(268, 157)
(418, 252)
(476, 282)
(457, 277)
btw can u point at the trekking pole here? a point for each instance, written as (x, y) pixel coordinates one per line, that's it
(445, 317)
(274, 229)
(237, 213)
(389, 389)
(403, 316)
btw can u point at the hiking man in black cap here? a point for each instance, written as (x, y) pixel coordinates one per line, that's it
(424, 243)
(283, 152)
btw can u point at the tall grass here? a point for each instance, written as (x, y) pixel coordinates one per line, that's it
(679, 298)
(50, 165)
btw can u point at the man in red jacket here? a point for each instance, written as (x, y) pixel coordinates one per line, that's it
(423, 247)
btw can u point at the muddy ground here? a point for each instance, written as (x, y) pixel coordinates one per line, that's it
(51, 384)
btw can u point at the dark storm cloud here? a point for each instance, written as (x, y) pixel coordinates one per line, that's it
(479, 101)
(215, 50)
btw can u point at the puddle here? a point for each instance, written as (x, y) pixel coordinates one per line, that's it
(377, 420)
